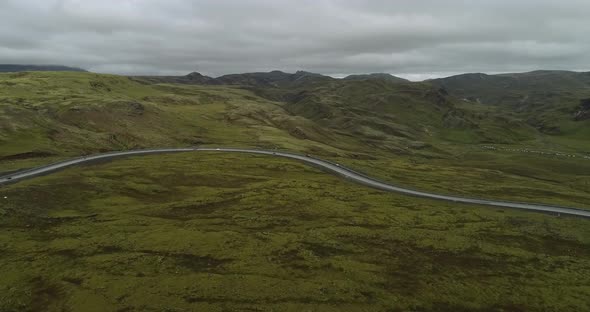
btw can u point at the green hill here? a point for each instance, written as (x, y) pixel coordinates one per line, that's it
(408, 114)
(73, 113)
(554, 102)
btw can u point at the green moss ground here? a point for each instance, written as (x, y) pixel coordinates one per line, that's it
(226, 232)
(489, 174)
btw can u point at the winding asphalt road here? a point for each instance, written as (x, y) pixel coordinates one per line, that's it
(326, 165)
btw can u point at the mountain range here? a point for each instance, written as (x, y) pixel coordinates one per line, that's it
(553, 102)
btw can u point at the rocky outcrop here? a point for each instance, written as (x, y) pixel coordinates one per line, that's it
(583, 112)
(198, 78)
(458, 119)
(298, 132)
(135, 109)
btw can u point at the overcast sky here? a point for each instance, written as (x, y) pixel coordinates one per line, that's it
(414, 39)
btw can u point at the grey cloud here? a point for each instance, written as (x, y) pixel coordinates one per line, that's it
(411, 38)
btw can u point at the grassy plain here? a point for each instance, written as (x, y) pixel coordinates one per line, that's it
(481, 173)
(226, 232)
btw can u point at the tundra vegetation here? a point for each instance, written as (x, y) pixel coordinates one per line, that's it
(215, 231)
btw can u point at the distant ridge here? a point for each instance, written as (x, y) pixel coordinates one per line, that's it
(6, 68)
(274, 78)
(534, 88)
(382, 76)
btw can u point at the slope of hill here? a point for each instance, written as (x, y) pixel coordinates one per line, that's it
(378, 109)
(554, 102)
(57, 113)
(402, 114)
(542, 107)
(5, 68)
(72, 113)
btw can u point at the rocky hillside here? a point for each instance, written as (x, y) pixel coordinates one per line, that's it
(554, 102)
(469, 108)
(259, 79)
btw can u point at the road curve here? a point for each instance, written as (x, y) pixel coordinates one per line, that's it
(333, 167)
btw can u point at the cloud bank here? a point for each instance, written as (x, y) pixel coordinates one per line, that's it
(415, 39)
